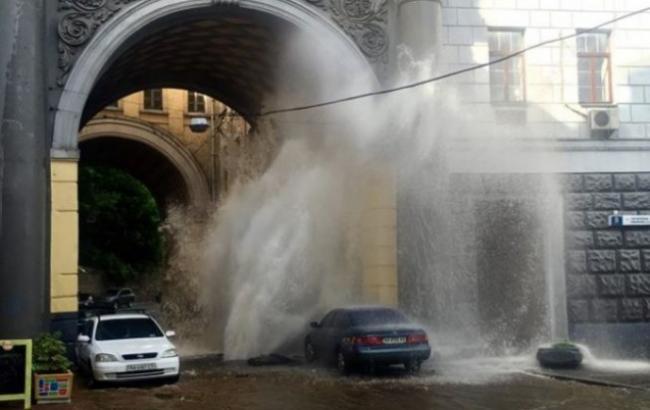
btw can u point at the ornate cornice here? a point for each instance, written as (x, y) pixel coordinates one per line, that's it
(78, 22)
(364, 20)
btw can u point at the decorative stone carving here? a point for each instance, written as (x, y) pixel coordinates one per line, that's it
(78, 22)
(364, 20)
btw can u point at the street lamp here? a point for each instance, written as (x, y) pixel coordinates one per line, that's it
(199, 124)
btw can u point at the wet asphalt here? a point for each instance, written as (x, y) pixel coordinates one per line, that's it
(492, 383)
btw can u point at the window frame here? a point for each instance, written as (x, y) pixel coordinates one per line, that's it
(192, 102)
(148, 95)
(114, 106)
(500, 54)
(592, 58)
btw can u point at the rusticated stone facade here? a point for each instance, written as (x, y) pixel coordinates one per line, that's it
(607, 268)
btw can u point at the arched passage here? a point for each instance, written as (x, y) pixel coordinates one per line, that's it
(245, 70)
(150, 154)
(236, 51)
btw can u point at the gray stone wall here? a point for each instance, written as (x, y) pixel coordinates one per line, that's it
(608, 269)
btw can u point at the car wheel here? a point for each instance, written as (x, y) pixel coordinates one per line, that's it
(342, 364)
(173, 379)
(92, 382)
(412, 366)
(310, 352)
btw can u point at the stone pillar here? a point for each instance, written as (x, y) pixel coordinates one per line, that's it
(420, 27)
(378, 237)
(64, 246)
(23, 238)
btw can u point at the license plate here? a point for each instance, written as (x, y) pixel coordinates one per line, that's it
(140, 366)
(394, 340)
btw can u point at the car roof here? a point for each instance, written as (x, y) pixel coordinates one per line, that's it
(367, 307)
(117, 316)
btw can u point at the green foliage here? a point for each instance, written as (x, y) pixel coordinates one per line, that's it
(118, 224)
(49, 354)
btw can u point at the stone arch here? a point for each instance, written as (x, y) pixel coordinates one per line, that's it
(115, 33)
(109, 49)
(195, 183)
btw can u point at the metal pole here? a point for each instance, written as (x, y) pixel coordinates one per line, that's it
(213, 137)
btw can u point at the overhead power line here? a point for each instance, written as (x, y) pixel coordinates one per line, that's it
(453, 73)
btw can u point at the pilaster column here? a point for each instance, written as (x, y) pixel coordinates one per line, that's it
(64, 243)
(23, 227)
(379, 237)
(420, 27)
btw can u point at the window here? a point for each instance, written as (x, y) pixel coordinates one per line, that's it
(127, 329)
(366, 317)
(328, 321)
(507, 78)
(594, 68)
(195, 102)
(115, 105)
(153, 99)
(341, 320)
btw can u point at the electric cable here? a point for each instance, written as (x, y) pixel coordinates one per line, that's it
(453, 73)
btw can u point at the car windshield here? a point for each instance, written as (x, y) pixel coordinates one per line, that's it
(127, 329)
(364, 317)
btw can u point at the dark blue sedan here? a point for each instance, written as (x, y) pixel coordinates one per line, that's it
(367, 335)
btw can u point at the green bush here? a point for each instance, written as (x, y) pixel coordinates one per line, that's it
(118, 225)
(49, 354)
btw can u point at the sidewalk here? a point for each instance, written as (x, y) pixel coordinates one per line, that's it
(631, 375)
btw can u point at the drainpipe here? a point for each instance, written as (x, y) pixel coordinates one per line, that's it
(420, 28)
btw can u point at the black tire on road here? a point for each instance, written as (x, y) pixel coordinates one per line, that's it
(342, 364)
(92, 382)
(310, 352)
(173, 379)
(413, 366)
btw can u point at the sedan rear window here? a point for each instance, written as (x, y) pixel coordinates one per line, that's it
(376, 317)
(127, 329)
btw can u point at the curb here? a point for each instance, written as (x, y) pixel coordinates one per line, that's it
(586, 380)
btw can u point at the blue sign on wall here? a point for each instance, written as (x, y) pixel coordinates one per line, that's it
(617, 220)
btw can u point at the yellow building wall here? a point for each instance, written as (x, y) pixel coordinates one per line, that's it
(64, 251)
(378, 221)
(379, 238)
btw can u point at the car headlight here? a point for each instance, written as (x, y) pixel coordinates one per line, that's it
(105, 357)
(169, 353)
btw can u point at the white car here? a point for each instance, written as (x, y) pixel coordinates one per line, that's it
(122, 347)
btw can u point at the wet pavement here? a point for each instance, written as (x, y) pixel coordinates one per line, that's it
(472, 384)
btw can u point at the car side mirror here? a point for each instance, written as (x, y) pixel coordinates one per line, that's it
(83, 339)
(170, 333)
(315, 325)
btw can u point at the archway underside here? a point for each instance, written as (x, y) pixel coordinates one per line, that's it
(231, 55)
(244, 57)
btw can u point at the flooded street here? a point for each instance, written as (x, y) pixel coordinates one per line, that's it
(208, 385)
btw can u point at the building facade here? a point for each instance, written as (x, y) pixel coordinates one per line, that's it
(217, 149)
(577, 109)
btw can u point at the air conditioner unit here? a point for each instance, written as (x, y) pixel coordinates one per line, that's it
(603, 120)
